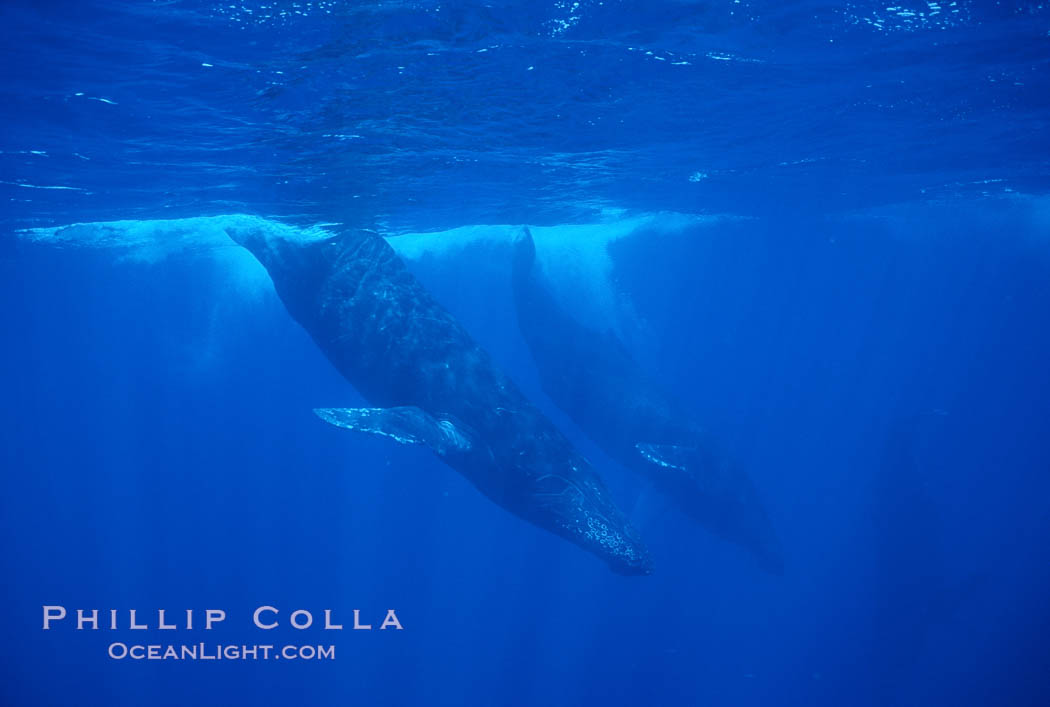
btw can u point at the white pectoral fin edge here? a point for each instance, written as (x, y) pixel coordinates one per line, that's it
(406, 425)
(667, 456)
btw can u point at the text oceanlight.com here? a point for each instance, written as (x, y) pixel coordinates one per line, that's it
(263, 618)
(202, 651)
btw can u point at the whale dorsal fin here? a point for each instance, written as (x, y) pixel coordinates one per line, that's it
(407, 425)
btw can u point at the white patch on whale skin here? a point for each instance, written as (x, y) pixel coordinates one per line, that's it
(456, 439)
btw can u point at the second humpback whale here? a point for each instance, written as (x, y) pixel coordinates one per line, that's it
(404, 352)
(592, 377)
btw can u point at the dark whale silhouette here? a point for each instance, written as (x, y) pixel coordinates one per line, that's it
(592, 377)
(404, 352)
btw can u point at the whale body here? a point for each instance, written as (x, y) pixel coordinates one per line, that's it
(593, 378)
(433, 385)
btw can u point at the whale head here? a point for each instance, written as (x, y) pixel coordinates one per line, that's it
(712, 489)
(572, 500)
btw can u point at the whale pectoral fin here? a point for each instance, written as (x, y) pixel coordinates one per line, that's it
(667, 456)
(407, 425)
(402, 425)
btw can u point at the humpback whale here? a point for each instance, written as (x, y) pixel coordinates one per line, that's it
(591, 376)
(434, 386)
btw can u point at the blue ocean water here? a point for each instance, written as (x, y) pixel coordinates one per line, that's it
(825, 227)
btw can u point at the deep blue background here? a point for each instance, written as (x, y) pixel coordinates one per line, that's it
(870, 341)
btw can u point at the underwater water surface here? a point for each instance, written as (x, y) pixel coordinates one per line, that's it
(821, 230)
